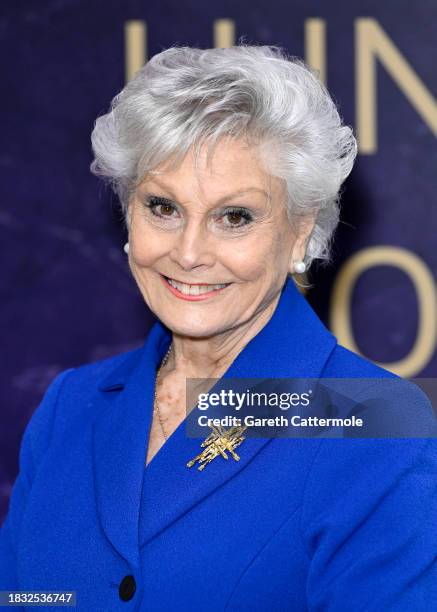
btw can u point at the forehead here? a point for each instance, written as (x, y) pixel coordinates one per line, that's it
(235, 166)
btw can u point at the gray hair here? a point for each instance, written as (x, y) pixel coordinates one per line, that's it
(184, 97)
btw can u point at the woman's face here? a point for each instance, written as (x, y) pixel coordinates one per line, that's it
(210, 248)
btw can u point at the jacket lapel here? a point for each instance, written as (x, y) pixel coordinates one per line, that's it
(136, 504)
(120, 436)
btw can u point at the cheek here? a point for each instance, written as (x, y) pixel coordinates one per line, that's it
(263, 257)
(251, 259)
(146, 247)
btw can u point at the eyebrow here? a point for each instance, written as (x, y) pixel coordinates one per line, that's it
(221, 200)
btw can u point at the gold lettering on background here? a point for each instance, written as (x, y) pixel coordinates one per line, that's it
(135, 46)
(423, 282)
(371, 43)
(315, 46)
(224, 33)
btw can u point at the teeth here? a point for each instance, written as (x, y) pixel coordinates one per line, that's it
(193, 289)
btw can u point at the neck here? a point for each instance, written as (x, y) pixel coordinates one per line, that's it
(210, 357)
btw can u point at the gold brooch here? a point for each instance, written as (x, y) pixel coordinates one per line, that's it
(219, 441)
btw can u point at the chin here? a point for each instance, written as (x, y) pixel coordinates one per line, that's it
(190, 330)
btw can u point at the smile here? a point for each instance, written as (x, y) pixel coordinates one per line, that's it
(194, 291)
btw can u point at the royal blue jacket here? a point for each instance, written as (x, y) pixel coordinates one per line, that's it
(297, 524)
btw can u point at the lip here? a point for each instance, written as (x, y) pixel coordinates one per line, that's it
(192, 298)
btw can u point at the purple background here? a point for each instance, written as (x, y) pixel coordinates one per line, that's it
(67, 295)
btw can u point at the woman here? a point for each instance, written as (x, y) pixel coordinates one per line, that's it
(228, 164)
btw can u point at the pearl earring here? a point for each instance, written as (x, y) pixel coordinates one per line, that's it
(299, 267)
(126, 248)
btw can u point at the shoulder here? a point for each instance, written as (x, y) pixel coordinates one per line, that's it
(66, 404)
(94, 374)
(89, 377)
(401, 430)
(69, 396)
(394, 407)
(343, 362)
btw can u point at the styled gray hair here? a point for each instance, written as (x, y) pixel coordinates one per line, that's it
(185, 97)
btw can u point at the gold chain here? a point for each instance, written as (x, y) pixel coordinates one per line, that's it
(155, 402)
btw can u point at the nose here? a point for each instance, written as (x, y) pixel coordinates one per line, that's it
(192, 247)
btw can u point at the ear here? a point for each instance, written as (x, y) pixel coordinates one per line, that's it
(305, 228)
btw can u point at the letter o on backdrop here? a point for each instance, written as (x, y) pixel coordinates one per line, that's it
(423, 282)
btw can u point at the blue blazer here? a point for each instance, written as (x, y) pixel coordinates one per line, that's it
(297, 524)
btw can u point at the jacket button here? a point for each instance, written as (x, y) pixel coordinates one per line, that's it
(127, 588)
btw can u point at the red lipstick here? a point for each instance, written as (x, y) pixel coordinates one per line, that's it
(191, 298)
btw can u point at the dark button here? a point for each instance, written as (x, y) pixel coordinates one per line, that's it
(127, 588)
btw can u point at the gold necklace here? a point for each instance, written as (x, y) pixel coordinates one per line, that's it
(217, 443)
(155, 402)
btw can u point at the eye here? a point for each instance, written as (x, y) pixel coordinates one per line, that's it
(237, 217)
(160, 207)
